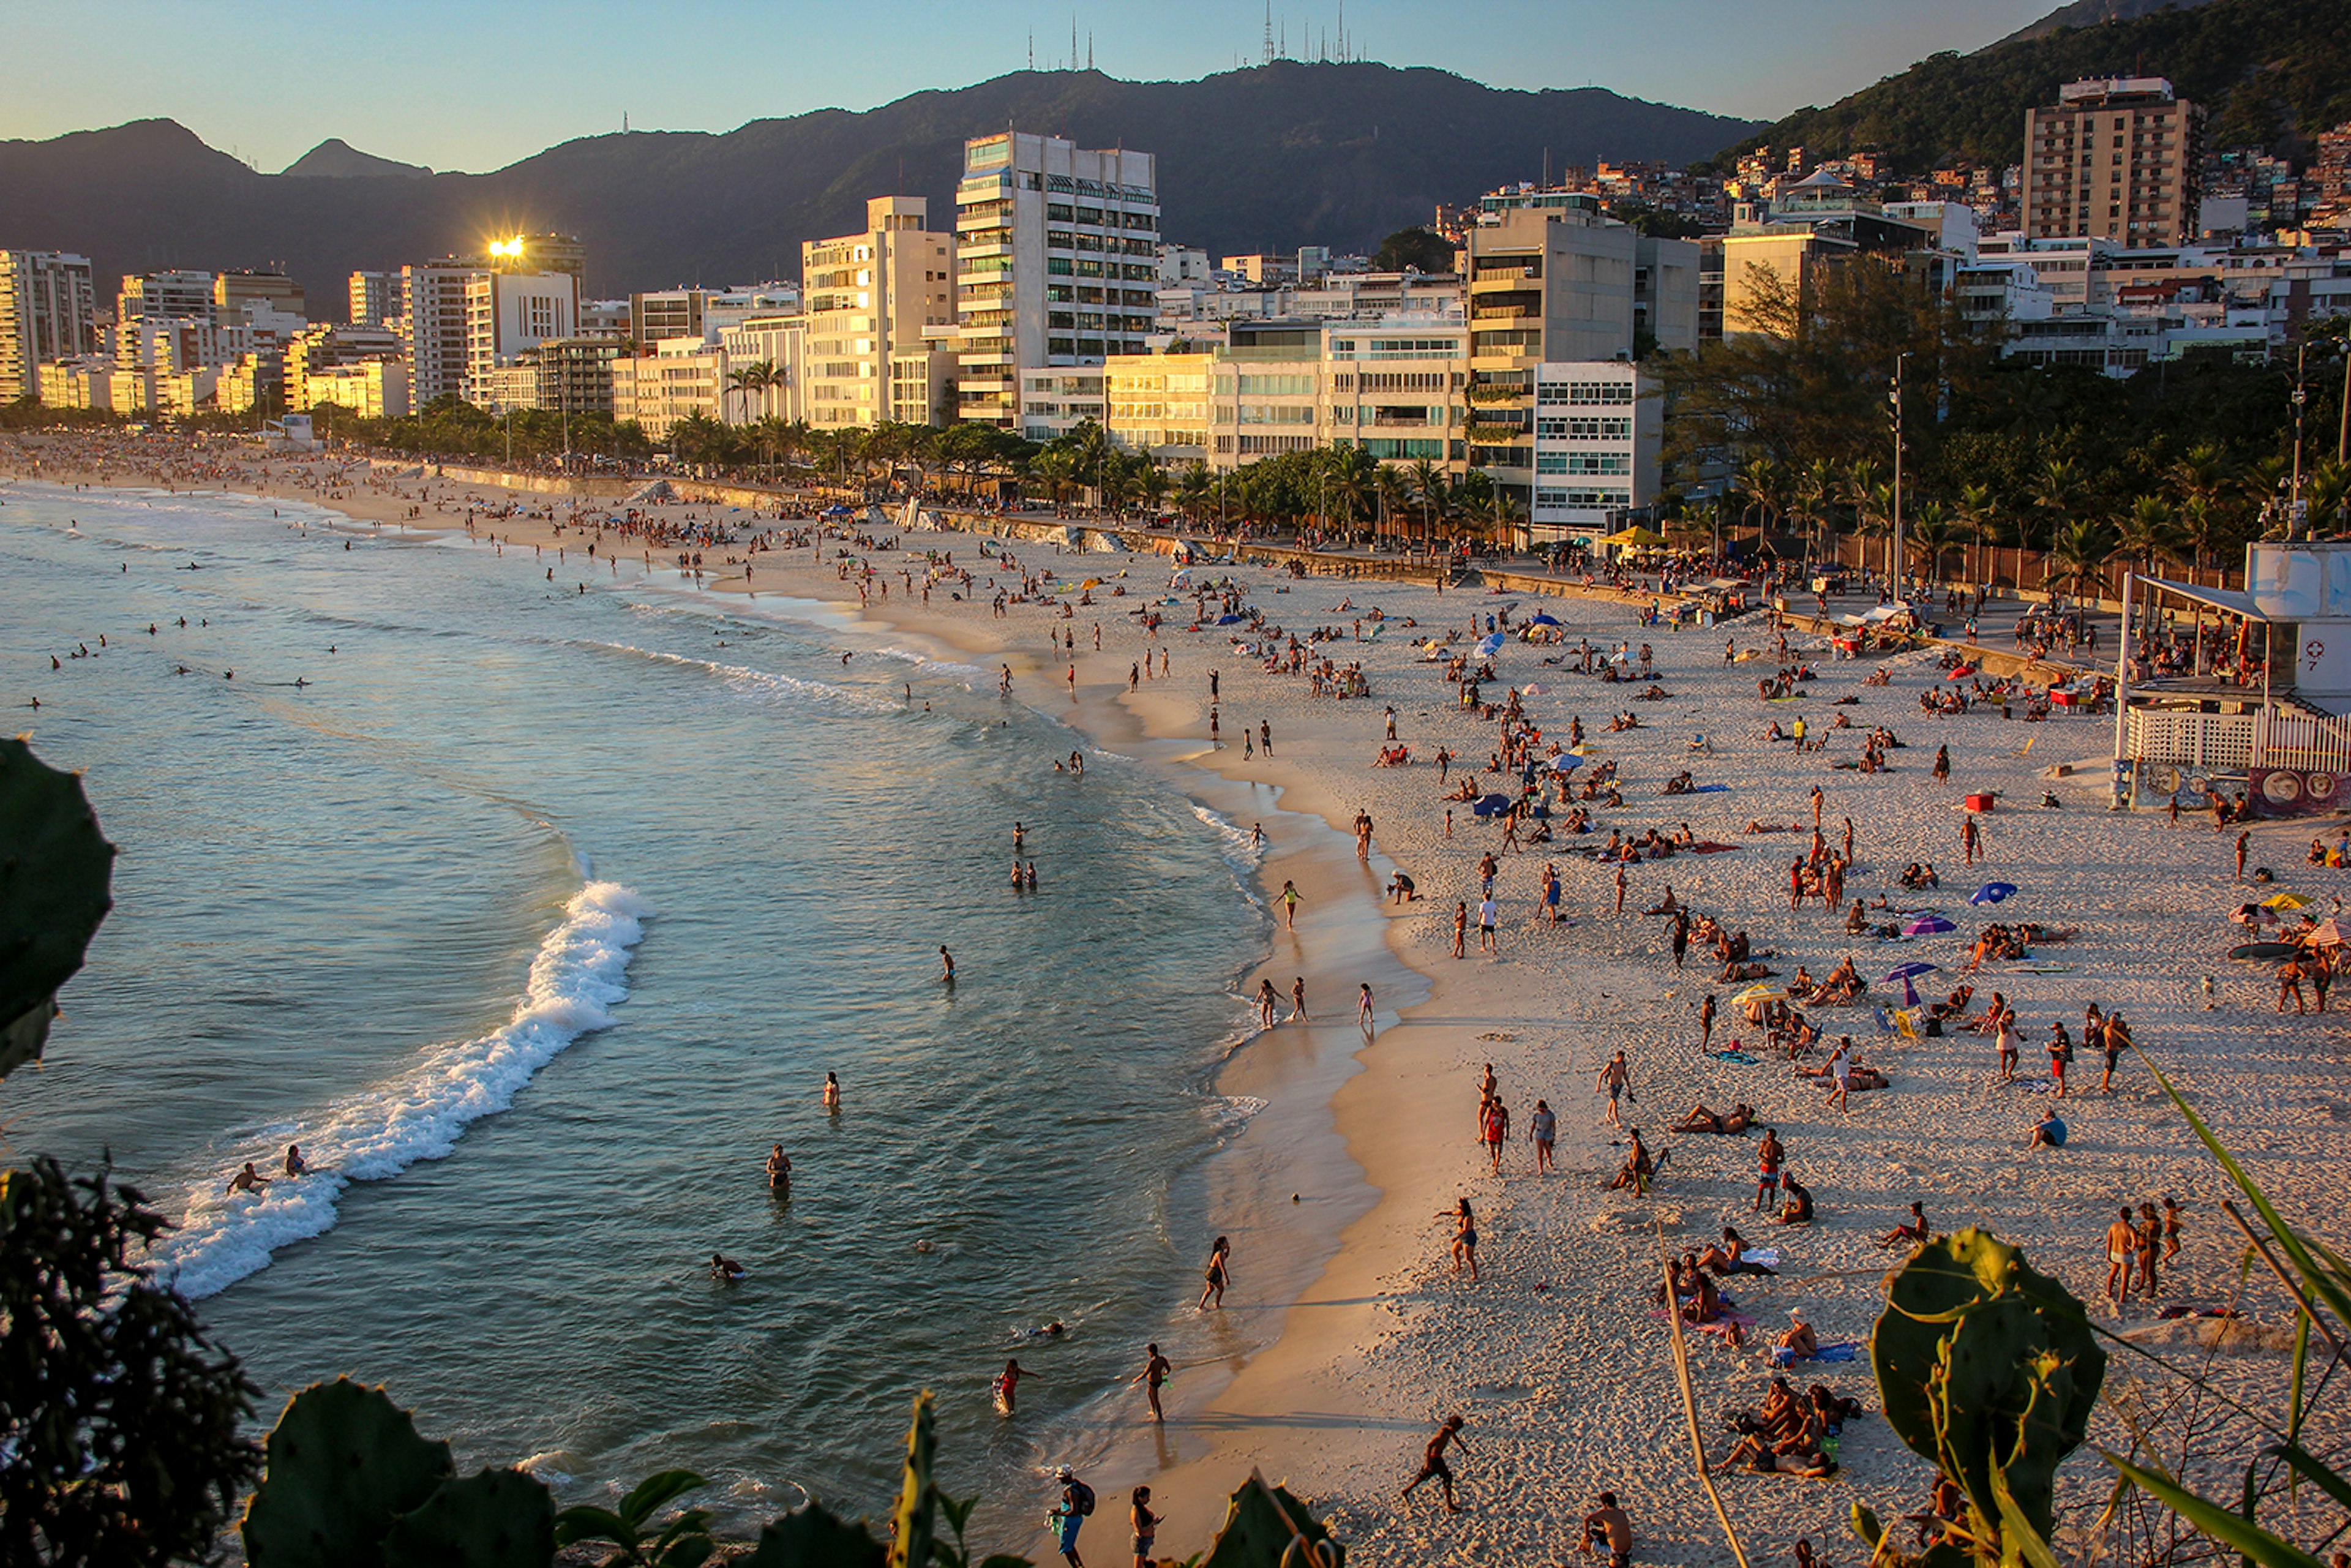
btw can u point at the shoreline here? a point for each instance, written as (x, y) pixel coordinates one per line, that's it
(1554, 1356)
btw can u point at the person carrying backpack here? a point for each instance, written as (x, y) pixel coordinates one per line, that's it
(1077, 1502)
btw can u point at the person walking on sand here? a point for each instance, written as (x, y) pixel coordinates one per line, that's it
(1706, 1023)
(1155, 1368)
(1364, 1007)
(2244, 843)
(1972, 838)
(1288, 898)
(1542, 1130)
(1076, 1502)
(1463, 1237)
(2122, 1248)
(1840, 1068)
(1298, 1001)
(1218, 1274)
(1496, 1130)
(1145, 1524)
(1432, 1462)
(1460, 927)
(1489, 916)
(1768, 1157)
(1615, 1081)
(1941, 771)
(2150, 1244)
(1620, 890)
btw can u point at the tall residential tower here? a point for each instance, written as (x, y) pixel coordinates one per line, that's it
(1056, 266)
(2119, 158)
(48, 312)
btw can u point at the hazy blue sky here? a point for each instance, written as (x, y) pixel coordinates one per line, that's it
(477, 85)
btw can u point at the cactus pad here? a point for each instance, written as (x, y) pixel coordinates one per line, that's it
(53, 868)
(343, 1462)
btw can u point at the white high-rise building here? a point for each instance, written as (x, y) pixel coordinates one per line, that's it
(870, 297)
(432, 326)
(510, 312)
(48, 312)
(1057, 266)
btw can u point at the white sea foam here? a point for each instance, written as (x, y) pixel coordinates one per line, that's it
(924, 662)
(1228, 1114)
(575, 979)
(1240, 849)
(772, 682)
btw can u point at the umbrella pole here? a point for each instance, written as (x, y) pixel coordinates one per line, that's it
(2122, 689)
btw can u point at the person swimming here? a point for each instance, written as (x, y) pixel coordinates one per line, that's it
(724, 1268)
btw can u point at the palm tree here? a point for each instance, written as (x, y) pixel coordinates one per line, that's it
(1393, 490)
(1347, 479)
(2078, 554)
(1933, 534)
(1976, 509)
(1192, 492)
(1817, 489)
(2202, 529)
(742, 383)
(1430, 488)
(1761, 482)
(2056, 499)
(2146, 532)
(2329, 494)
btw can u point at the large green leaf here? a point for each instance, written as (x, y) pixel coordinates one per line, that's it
(1262, 1525)
(911, 1524)
(2308, 1466)
(54, 866)
(498, 1519)
(344, 1461)
(648, 1495)
(2213, 1520)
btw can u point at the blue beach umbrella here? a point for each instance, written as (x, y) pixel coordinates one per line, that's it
(1491, 804)
(1489, 645)
(1928, 926)
(1230, 620)
(1566, 762)
(1909, 971)
(1540, 620)
(1992, 893)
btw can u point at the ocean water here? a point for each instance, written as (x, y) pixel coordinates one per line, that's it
(536, 917)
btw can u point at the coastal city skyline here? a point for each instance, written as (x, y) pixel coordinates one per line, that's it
(467, 110)
(1312, 815)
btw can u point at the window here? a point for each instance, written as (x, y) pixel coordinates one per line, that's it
(1277, 386)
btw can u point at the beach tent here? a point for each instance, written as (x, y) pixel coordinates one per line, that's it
(2285, 901)
(1928, 926)
(1538, 619)
(1491, 805)
(1634, 538)
(1992, 893)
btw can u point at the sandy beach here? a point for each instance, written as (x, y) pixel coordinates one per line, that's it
(1346, 1336)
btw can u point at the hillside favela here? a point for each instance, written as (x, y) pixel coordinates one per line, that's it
(929, 787)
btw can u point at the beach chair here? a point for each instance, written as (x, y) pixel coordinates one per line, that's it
(2024, 750)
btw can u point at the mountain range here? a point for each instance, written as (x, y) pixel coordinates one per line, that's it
(1265, 158)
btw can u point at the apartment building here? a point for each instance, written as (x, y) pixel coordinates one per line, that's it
(1562, 286)
(681, 377)
(79, 381)
(432, 328)
(510, 313)
(186, 295)
(777, 339)
(374, 299)
(871, 298)
(1057, 266)
(1395, 389)
(48, 312)
(1597, 445)
(320, 350)
(2119, 158)
(373, 387)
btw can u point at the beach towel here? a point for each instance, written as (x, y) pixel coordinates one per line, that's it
(1711, 848)
(1844, 1350)
(1766, 1256)
(1741, 1057)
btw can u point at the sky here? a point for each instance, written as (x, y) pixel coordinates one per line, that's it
(476, 84)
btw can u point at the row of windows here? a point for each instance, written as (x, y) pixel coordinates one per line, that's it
(1582, 497)
(1586, 394)
(1585, 429)
(1583, 462)
(1397, 347)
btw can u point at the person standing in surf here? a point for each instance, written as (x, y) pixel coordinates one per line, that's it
(1218, 1274)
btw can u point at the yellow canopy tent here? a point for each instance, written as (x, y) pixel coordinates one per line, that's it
(1635, 537)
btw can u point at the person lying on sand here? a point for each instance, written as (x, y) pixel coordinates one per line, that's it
(1735, 1122)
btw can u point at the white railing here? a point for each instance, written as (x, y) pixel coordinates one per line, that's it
(2302, 740)
(2232, 743)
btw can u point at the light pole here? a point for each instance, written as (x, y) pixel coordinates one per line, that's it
(2301, 396)
(1894, 541)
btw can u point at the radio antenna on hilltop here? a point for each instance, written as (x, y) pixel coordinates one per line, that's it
(1032, 48)
(1269, 32)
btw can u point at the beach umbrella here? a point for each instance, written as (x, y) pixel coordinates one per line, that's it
(1762, 991)
(1992, 893)
(1230, 620)
(1566, 762)
(1541, 620)
(2328, 934)
(2285, 901)
(1909, 970)
(1491, 804)
(1928, 926)
(837, 511)
(1489, 644)
(1531, 689)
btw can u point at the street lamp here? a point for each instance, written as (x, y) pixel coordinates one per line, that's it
(2294, 515)
(1893, 540)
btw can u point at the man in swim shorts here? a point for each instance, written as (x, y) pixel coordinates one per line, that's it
(1433, 1465)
